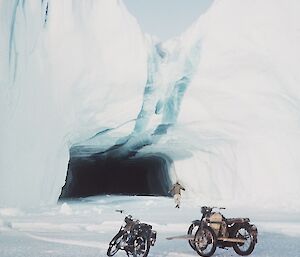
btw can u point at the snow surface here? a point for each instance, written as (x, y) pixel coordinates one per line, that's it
(225, 91)
(87, 230)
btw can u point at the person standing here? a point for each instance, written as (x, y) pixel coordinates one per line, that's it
(176, 192)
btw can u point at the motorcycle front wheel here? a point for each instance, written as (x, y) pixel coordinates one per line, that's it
(246, 248)
(114, 244)
(191, 232)
(205, 241)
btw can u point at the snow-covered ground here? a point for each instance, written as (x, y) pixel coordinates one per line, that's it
(85, 227)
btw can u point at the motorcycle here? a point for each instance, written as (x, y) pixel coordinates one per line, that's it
(214, 230)
(134, 237)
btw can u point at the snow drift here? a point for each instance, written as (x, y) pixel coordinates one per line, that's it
(221, 100)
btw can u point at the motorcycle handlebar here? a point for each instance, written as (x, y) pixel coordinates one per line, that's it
(128, 218)
(214, 207)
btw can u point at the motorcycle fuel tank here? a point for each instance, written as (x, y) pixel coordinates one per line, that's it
(215, 221)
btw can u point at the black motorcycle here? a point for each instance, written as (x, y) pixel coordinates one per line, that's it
(214, 230)
(134, 237)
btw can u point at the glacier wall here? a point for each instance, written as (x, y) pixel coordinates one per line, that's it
(243, 104)
(68, 69)
(221, 100)
(236, 135)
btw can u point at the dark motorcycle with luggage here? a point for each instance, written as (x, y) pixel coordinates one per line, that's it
(134, 237)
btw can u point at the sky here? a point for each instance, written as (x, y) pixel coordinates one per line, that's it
(166, 18)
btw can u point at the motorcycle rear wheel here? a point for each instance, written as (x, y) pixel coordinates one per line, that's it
(141, 247)
(205, 241)
(243, 232)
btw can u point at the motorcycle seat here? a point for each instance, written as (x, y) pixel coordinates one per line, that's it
(236, 220)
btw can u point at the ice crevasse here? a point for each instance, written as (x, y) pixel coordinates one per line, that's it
(225, 90)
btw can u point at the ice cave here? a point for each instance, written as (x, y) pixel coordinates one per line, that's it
(216, 107)
(109, 173)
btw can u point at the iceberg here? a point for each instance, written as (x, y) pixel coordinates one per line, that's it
(215, 108)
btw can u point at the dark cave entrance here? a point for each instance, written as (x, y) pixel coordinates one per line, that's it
(100, 174)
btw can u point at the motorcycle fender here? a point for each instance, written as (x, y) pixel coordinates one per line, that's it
(153, 237)
(254, 232)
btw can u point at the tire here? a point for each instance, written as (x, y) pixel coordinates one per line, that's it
(243, 232)
(141, 247)
(205, 241)
(114, 244)
(192, 228)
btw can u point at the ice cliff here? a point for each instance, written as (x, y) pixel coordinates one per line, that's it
(221, 100)
(66, 74)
